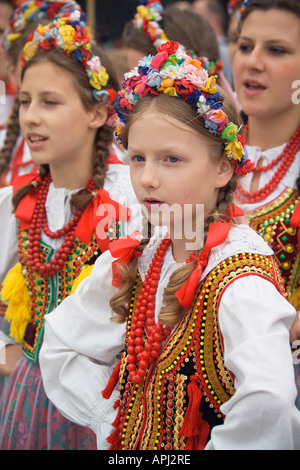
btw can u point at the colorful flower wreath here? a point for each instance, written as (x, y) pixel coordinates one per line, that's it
(232, 5)
(35, 10)
(241, 14)
(69, 34)
(147, 20)
(174, 72)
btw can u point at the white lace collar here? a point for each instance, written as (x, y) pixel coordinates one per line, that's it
(241, 239)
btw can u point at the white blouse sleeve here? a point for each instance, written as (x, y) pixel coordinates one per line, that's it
(255, 320)
(8, 233)
(80, 350)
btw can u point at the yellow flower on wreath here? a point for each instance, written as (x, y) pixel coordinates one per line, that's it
(98, 80)
(235, 149)
(166, 83)
(67, 33)
(13, 37)
(210, 86)
(30, 50)
(142, 11)
(31, 9)
(62, 21)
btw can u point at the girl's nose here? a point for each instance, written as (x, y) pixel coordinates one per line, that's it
(31, 116)
(255, 59)
(150, 177)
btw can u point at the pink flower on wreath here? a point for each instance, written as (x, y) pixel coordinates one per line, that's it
(95, 64)
(196, 77)
(132, 79)
(218, 117)
(141, 85)
(159, 59)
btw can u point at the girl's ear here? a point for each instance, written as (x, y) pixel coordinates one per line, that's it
(225, 172)
(99, 116)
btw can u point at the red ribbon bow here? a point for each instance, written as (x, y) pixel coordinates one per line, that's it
(217, 234)
(98, 216)
(27, 204)
(124, 249)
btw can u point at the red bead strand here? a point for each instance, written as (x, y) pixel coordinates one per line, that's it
(287, 156)
(39, 223)
(142, 353)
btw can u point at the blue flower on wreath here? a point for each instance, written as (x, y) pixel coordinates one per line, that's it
(120, 110)
(154, 79)
(77, 55)
(145, 62)
(215, 101)
(212, 127)
(193, 98)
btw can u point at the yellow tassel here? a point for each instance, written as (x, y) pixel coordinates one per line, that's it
(294, 298)
(15, 293)
(86, 271)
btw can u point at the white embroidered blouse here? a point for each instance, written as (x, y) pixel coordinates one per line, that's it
(81, 344)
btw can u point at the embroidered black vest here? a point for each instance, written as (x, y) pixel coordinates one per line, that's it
(152, 415)
(47, 293)
(272, 222)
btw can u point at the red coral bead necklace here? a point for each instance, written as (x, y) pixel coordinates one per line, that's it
(142, 353)
(39, 223)
(287, 157)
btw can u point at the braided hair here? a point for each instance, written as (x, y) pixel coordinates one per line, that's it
(171, 310)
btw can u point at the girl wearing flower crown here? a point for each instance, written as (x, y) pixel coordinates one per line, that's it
(203, 361)
(64, 215)
(15, 156)
(266, 69)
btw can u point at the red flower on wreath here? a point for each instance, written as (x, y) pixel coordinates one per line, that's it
(53, 9)
(241, 139)
(48, 43)
(81, 35)
(170, 47)
(184, 87)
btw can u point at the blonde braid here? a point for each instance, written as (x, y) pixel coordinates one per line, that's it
(171, 310)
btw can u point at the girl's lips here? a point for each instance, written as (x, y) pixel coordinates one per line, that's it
(151, 204)
(35, 141)
(253, 88)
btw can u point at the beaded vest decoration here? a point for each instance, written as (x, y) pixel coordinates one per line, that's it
(47, 292)
(272, 222)
(189, 381)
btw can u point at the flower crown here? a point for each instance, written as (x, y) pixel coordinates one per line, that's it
(147, 20)
(34, 10)
(232, 4)
(69, 34)
(241, 14)
(174, 72)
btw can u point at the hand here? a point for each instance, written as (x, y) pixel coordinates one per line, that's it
(13, 352)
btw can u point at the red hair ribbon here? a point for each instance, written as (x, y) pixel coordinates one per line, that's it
(124, 249)
(98, 216)
(27, 204)
(217, 234)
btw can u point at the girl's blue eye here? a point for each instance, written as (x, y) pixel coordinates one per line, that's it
(138, 158)
(173, 159)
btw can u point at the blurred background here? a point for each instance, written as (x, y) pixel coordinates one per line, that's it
(107, 17)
